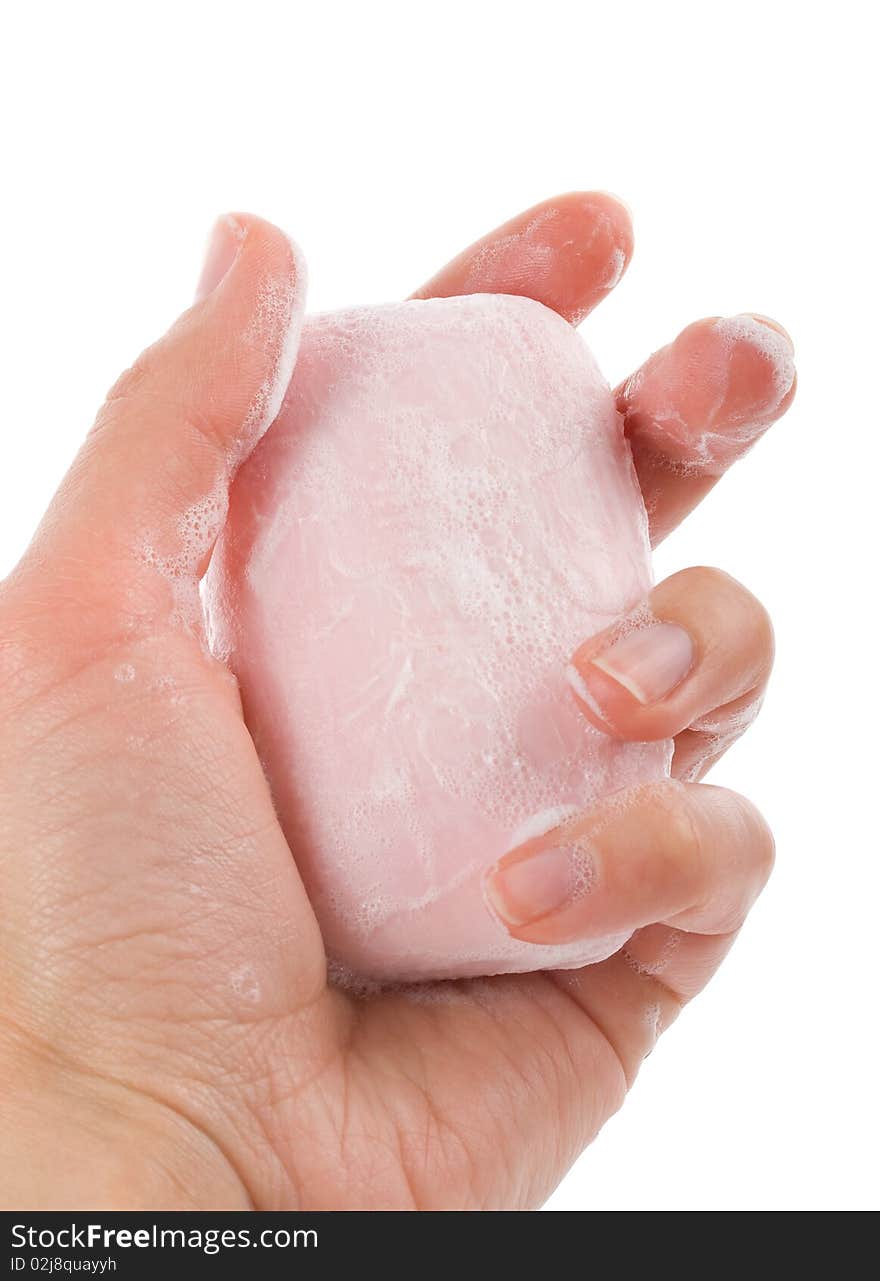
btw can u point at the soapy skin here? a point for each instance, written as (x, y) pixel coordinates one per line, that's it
(444, 507)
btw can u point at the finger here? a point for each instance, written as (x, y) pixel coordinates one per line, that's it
(699, 404)
(692, 660)
(567, 253)
(691, 856)
(700, 746)
(137, 516)
(682, 962)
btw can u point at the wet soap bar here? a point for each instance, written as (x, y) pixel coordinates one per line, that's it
(443, 510)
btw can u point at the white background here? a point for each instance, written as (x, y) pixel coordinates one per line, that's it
(385, 138)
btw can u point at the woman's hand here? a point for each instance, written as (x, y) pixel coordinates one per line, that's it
(167, 1035)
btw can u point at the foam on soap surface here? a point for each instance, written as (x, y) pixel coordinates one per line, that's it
(443, 510)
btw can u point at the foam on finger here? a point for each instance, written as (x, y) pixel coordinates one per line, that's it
(701, 402)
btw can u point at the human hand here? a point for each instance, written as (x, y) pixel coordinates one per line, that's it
(168, 1037)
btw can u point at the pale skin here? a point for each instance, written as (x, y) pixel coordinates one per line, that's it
(149, 891)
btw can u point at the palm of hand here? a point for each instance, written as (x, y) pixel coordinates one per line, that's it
(165, 982)
(192, 993)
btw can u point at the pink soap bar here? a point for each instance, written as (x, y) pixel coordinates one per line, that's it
(443, 510)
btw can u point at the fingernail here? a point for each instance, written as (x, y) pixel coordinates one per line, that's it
(532, 887)
(618, 200)
(224, 245)
(769, 323)
(649, 662)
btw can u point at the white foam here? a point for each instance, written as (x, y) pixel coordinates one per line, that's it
(714, 448)
(279, 309)
(724, 432)
(616, 268)
(245, 983)
(541, 823)
(769, 342)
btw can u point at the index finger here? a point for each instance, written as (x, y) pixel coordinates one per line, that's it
(567, 252)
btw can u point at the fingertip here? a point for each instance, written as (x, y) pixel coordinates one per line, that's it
(606, 704)
(770, 323)
(743, 822)
(619, 218)
(760, 354)
(780, 367)
(605, 208)
(727, 820)
(614, 710)
(567, 252)
(702, 401)
(242, 246)
(700, 642)
(618, 203)
(596, 237)
(621, 678)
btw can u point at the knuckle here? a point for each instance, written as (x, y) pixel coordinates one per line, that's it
(762, 626)
(140, 379)
(148, 390)
(754, 853)
(685, 832)
(762, 843)
(683, 845)
(136, 404)
(132, 380)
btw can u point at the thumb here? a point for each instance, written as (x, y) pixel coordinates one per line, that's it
(134, 522)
